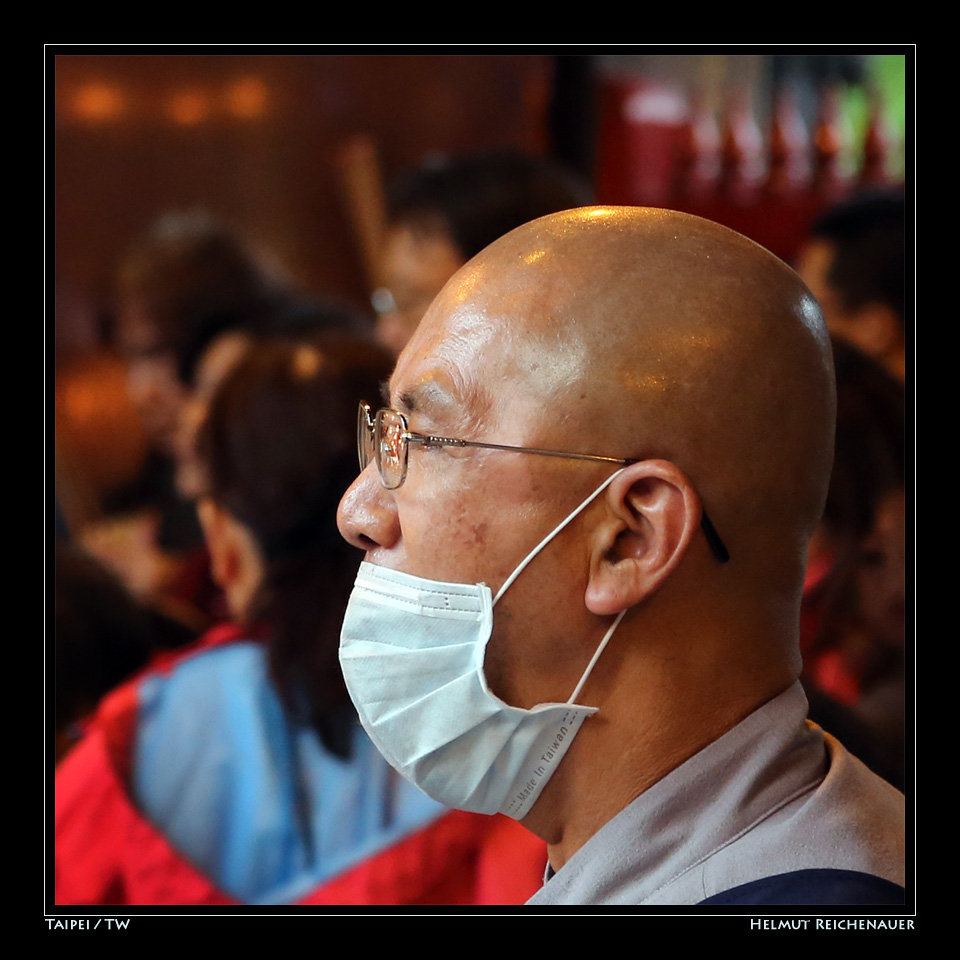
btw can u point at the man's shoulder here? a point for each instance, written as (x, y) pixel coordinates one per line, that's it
(840, 842)
(853, 821)
(763, 801)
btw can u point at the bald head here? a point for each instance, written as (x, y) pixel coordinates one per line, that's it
(649, 334)
(700, 364)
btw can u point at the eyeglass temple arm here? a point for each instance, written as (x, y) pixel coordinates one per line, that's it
(449, 442)
(717, 546)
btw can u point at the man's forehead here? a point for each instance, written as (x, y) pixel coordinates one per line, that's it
(448, 361)
(435, 391)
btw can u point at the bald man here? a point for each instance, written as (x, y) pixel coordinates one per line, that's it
(586, 512)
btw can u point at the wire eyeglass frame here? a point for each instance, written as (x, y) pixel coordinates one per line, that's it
(388, 430)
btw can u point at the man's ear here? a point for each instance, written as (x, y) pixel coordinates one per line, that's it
(653, 514)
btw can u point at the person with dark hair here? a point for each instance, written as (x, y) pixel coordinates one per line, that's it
(293, 317)
(853, 613)
(446, 212)
(237, 773)
(183, 282)
(269, 511)
(854, 264)
(869, 459)
(189, 293)
(858, 657)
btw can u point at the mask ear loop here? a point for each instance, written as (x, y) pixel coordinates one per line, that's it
(523, 563)
(596, 657)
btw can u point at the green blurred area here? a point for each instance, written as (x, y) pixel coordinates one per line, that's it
(886, 83)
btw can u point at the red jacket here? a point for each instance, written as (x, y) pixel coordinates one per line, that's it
(107, 852)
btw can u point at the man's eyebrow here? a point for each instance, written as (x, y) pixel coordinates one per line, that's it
(427, 397)
(407, 401)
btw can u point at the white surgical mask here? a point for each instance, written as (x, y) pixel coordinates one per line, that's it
(412, 653)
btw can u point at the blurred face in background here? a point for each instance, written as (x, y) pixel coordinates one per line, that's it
(416, 265)
(816, 261)
(873, 327)
(217, 361)
(881, 576)
(155, 389)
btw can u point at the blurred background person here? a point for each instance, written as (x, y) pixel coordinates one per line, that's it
(187, 278)
(183, 282)
(855, 265)
(853, 616)
(856, 680)
(188, 290)
(212, 356)
(237, 772)
(445, 212)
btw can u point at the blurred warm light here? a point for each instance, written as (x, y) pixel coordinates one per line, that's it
(307, 362)
(247, 98)
(188, 107)
(98, 101)
(97, 429)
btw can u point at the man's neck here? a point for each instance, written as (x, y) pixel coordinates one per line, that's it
(613, 761)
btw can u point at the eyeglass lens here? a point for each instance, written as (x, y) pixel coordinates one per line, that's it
(366, 440)
(391, 448)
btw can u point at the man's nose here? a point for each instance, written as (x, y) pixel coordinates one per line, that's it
(367, 516)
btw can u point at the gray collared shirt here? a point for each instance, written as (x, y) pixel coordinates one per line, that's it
(772, 795)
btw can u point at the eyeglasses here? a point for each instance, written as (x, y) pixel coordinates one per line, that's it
(386, 438)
